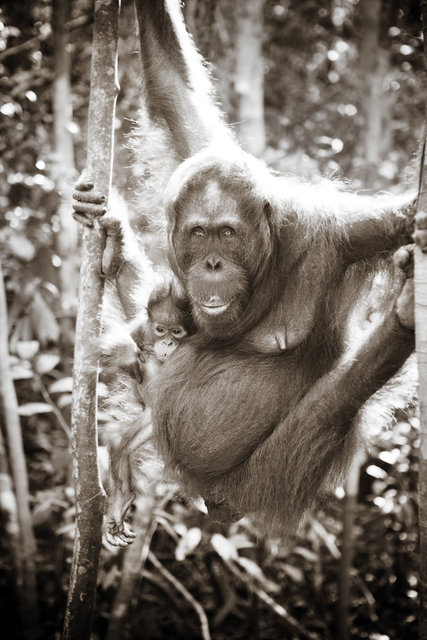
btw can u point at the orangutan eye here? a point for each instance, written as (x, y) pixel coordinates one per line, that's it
(198, 232)
(179, 332)
(159, 331)
(227, 232)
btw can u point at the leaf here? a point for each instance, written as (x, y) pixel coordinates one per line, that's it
(295, 574)
(67, 530)
(43, 513)
(21, 372)
(180, 528)
(43, 321)
(224, 548)
(188, 543)
(241, 541)
(27, 349)
(64, 400)
(111, 577)
(376, 472)
(390, 457)
(305, 553)
(328, 539)
(63, 385)
(21, 247)
(33, 408)
(46, 362)
(255, 571)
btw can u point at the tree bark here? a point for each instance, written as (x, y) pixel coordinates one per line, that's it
(26, 568)
(89, 493)
(420, 283)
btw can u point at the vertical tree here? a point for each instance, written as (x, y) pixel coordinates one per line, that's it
(89, 494)
(421, 348)
(25, 561)
(351, 487)
(63, 171)
(231, 36)
(249, 75)
(374, 63)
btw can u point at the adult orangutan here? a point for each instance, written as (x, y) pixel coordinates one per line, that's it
(259, 412)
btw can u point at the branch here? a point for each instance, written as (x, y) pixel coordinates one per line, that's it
(183, 591)
(89, 494)
(289, 620)
(47, 398)
(28, 44)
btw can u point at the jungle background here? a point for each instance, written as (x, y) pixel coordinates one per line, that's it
(316, 87)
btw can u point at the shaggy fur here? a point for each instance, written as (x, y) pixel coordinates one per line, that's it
(131, 356)
(261, 411)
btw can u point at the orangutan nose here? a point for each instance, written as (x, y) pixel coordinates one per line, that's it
(213, 264)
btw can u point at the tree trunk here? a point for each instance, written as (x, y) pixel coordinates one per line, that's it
(420, 283)
(374, 63)
(26, 569)
(421, 347)
(250, 75)
(89, 493)
(63, 173)
(351, 487)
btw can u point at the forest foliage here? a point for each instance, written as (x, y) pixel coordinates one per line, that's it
(321, 61)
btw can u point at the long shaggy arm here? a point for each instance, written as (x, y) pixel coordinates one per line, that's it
(178, 90)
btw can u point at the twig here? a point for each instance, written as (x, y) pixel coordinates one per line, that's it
(291, 622)
(58, 415)
(204, 624)
(368, 597)
(44, 77)
(28, 44)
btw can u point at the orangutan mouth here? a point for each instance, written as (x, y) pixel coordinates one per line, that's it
(214, 306)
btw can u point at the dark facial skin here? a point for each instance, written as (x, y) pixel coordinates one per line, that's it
(165, 328)
(215, 249)
(167, 339)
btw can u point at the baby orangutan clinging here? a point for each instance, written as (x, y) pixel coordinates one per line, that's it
(154, 317)
(130, 361)
(139, 349)
(169, 321)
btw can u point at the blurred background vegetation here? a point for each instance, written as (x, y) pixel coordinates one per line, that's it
(316, 87)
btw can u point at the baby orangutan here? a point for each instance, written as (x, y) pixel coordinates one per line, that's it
(146, 342)
(154, 317)
(130, 360)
